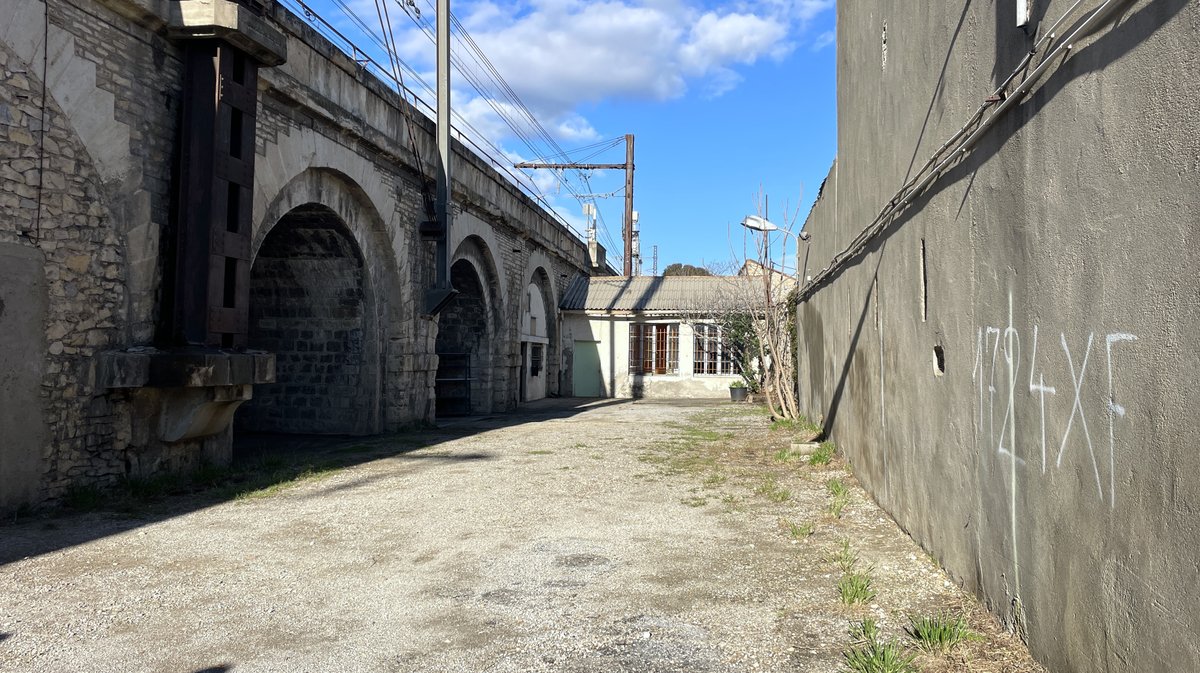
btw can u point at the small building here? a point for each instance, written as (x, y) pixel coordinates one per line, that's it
(652, 336)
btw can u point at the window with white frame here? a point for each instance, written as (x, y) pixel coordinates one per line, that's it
(654, 349)
(713, 355)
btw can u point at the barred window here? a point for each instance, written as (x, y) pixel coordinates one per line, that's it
(535, 359)
(712, 354)
(654, 349)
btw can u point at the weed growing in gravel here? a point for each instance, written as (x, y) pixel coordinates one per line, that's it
(837, 488)
(856, 587)
(694, 433)
(540, 452)
(864, 631)
(846, 558)
(824, 453)
(787, 454)
(309, 473)
(771, 490)
(870, 654)
(83, 498)
(939, 632)
(801, 425)
(694, 501)
(841, 496)
(714, 479)
(732, 503)
(798, 531)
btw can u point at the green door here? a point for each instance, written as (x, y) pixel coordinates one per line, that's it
(585, 377)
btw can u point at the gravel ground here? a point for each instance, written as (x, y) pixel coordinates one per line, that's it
(573, 537)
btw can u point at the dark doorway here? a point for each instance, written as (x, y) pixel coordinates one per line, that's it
(309, 306)
(464, 347)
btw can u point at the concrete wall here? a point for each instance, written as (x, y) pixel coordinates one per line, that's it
(1050, 463)
(612, 333)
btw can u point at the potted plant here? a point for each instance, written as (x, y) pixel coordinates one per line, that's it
(738, 391)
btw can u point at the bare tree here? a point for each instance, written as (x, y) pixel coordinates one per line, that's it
(755, 310)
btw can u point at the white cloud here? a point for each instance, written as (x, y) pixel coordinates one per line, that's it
(824, 40)
(560, 55)
(733, 38)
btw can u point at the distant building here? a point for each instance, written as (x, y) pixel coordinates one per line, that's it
(651, 336)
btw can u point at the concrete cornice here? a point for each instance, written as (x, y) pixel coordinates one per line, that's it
(150, 14)
(228, 21)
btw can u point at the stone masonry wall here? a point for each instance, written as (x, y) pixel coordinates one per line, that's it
(50, 199)
(89, 201)
(308, 306)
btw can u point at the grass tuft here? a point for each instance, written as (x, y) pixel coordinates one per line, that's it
(940, 632)
(870, 654)
(771, 490)
(802, 425)
(824, 453)
(846, 558)
(879, 657)
(787, 454)
(864, 631)
(856, 587)
(798, 531)
(83, 498)
(841, 496)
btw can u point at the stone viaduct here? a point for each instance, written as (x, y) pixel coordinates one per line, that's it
(166, 257)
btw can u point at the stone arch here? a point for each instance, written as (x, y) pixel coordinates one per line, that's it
(302, 166)
(468, 227)
(325, 296)
(539, 335)
(71, 80)
(311, 304)
(470, 373)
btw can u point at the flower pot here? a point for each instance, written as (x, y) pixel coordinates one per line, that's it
(738, 394)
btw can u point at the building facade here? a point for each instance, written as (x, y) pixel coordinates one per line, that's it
(652, 336)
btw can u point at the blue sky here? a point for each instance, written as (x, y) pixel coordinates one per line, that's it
(727, 100)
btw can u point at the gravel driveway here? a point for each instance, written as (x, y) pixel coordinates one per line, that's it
(568, 537)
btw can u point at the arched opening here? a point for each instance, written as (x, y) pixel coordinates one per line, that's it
(464, 347)
(538, 334)
(309, 304)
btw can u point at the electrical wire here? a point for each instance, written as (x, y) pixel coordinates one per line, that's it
(37, 220)
(956, 147)
(512, 98)
(474, 139)
(385, 25)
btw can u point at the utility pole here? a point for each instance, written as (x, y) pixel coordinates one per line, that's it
(627, 231)
(442, 291)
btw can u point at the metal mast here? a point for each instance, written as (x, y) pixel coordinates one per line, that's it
(628, 166)
(442, 292)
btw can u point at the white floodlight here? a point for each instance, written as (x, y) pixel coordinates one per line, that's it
(758, 223)
(766, 226)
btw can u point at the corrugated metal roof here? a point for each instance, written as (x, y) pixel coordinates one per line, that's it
(659, 293)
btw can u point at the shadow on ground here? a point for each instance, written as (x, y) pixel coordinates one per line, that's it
(262, 465)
